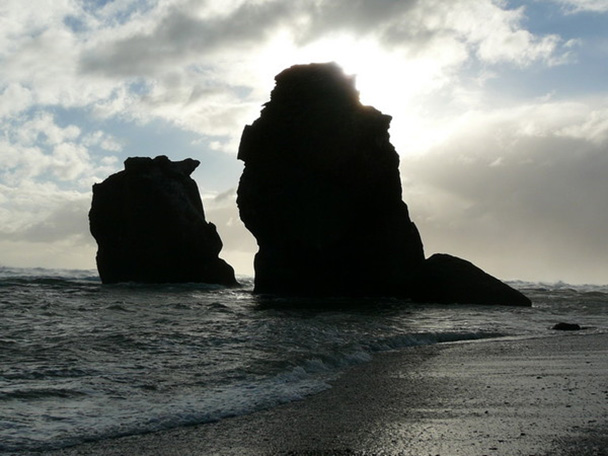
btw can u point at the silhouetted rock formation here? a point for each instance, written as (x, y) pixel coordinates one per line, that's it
(321, 191)
(566, 327)
(447, 279)
(150, 227)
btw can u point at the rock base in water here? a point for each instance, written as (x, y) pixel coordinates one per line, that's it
(150, 226)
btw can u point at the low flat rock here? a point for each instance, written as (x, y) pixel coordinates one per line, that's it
(447, 279)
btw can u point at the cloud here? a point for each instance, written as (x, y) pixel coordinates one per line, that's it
(46, 172)
(43, 225)
(487, 30)
(179, 36)
(520, 190)
(103, 140)
(30, 203)
(40, 57)
(578, 6)
(35, 147)
(200, 67)
(42, 128)
(197, 64)
(64, 254)
(75, 76)
(21, 21)
(14, 99)
(593, 128)
(67, 220)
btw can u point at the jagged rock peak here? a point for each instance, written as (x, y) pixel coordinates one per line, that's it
(322, 82)
(141, 164)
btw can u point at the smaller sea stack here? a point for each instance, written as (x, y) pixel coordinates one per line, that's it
(150, 226)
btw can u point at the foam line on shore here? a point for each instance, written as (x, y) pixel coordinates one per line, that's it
(501, 397)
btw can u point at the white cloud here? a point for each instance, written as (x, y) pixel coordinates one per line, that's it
(35, 144)
(104, 140)
(69, 161)
(14, 99)
(19, 163)
(46, 172)
(577, 6)
(19, 21)
(495, 34)
(593, 127)
(42, 128)
(30, 202)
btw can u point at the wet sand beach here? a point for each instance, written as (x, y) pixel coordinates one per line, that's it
(542, 396)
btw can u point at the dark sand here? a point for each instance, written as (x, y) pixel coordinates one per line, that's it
(502, 397)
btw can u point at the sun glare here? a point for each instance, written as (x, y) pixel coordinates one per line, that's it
(388, 81)
(377, 72)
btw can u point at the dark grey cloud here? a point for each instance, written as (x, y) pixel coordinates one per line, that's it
(69, 220)
(360, 16)
(180, 35)
(530, 210)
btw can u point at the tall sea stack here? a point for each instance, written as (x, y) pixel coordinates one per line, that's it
(150, 226)
(321, 192)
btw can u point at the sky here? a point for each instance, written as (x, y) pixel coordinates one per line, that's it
(500, 115)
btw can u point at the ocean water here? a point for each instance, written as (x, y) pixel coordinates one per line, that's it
(81, 361)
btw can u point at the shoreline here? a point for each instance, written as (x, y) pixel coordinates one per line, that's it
(537, 396)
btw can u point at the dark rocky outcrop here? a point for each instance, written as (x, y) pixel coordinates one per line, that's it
(447, 279)
(562, 326)
(150, 227)
(321, 191)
